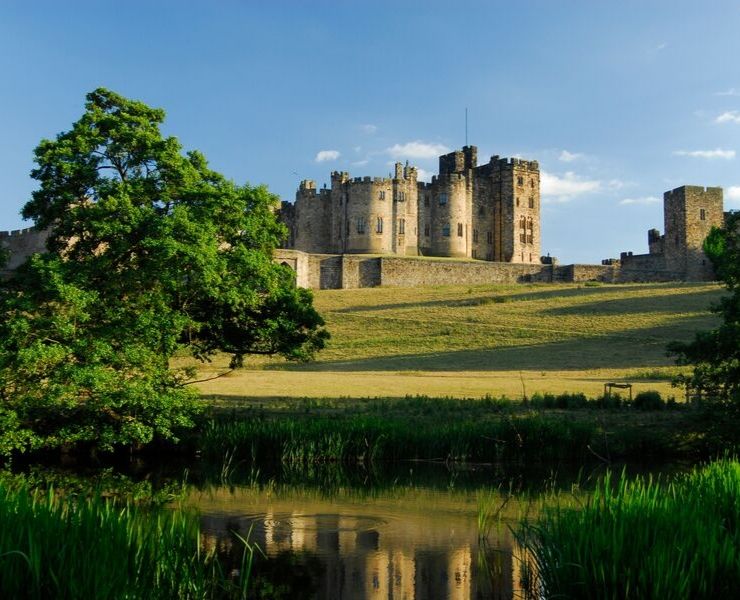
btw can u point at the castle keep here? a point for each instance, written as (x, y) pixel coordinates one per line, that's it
(489, 212)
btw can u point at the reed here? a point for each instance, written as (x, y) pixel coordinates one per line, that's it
(61, 546)
(641, 538)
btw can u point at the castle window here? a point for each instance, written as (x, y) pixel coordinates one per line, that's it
(523, 238)
(489, 237)
(517, 201)
(401, 196)
(702, 214)
(426, 200)
(475, 235)
(442, 199)
(426, 230)
(361, 225)
(531, 183)
(523, 223)
(530, 257)
(446, 230)
(379, 225)
(520, 180)
(401, 226)
(531, 202)
(459, 230)
(381, 195)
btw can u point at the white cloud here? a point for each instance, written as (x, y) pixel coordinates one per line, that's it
(369, 128)
(562, 189)
(662, 46)
(325, 155)
(730, 116)
(360, 163)
(641, 200)
(710, 154)
(730, 92)
(566, 156)
(424, 175)
(416, 149)
(732, 194)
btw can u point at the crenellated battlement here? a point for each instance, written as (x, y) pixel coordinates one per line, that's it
(17, 232)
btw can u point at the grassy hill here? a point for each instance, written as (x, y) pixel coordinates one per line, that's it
(473, 341)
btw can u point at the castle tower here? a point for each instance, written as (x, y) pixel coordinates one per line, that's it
(690, 212)
(312, 217)
(449, 215)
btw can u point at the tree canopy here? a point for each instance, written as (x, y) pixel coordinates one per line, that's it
(151, 254)
(715, 354)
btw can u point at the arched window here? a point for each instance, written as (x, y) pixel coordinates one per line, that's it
(379, 225)
(401, 226)
(361, 225)
(459, 230)
(531, 202)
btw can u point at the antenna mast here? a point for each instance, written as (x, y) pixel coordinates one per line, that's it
(466, 125)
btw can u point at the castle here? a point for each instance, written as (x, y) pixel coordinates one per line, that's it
(481, 222)
(489, 212)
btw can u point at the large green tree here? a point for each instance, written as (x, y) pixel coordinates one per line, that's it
(715, 354)
(151, 254)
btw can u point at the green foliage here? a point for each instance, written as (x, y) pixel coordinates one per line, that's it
(715, 354)
(642, 539)
(151, 253)
(61, 546)
(648, 400)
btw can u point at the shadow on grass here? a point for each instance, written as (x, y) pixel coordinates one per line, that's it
(699, 299)
(669, 303)
(627, 349)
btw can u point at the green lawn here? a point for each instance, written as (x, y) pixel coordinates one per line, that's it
(472, 341)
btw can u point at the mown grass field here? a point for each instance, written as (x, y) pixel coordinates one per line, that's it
(463, 341)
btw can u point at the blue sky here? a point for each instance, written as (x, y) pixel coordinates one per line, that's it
(618, 101)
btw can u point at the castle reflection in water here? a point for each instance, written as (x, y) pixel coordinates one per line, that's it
(371, 558)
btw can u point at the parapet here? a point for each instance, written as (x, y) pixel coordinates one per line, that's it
(16, 232)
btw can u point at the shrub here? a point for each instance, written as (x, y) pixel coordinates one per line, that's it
(648, 400)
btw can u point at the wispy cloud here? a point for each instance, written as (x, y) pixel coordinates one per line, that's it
(326, 155)
(369, 128)
(360, 163)
(730, 92)
(662, 46)
(416, 149)
(555, 188)
(709, 154)
(566, 156)
(729, 116)
(641, 200)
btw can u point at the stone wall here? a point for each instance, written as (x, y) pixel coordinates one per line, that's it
(22, 243)
(409, 272)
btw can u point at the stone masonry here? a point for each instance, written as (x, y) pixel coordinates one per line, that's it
(489, 212)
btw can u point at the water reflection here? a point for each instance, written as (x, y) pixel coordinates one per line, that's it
(420, 545)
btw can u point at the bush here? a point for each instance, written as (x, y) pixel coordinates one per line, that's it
(648, 400)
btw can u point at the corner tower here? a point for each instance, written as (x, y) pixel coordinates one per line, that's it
(690, 212)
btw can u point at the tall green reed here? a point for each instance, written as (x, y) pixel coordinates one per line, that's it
(57, 546)
(641, 538)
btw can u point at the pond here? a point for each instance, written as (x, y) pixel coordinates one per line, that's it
(410, 531)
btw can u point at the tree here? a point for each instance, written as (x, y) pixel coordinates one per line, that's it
(151, 254)
(715, 354)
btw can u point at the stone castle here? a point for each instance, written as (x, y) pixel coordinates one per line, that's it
(488, 212)
(473, 224)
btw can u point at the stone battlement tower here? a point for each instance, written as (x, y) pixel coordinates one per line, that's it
(490, 212)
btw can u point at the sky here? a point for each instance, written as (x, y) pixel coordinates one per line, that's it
(618, 101)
